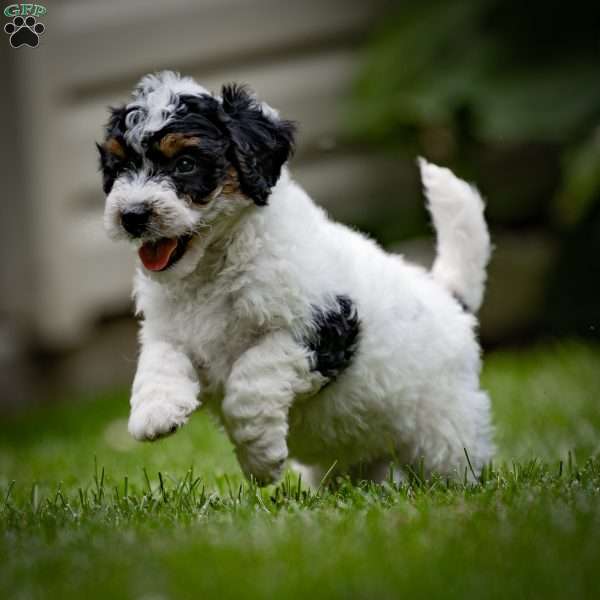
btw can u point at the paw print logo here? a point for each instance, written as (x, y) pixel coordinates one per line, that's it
(24, 32)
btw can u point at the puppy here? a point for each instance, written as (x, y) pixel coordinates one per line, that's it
(304, 337)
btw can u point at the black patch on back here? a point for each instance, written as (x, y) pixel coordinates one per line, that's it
(335, 338)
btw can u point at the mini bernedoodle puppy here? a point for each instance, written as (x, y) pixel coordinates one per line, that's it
(304, 337)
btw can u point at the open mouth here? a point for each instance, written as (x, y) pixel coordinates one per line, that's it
(163, 253)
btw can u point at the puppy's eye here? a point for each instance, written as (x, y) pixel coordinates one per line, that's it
(185, 165)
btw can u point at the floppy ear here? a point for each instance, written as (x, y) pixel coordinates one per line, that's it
(260, 143)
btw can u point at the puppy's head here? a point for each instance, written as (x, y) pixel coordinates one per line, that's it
(179, 165)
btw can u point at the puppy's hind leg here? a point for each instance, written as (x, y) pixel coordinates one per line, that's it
(455, 426)
(311, 476)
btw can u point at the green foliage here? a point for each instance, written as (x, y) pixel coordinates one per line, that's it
(175, 519)
(582, 180)
(444, 76)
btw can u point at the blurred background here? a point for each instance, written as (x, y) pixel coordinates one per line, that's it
(506, 93)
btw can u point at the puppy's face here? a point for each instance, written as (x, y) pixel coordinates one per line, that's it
(179, 166)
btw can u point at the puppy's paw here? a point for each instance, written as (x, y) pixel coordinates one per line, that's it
(265, 465)
(155, 419)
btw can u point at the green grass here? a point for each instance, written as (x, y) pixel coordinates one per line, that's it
(87, 512)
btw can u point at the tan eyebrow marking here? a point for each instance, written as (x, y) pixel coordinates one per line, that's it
(115, 147)
(172, 143)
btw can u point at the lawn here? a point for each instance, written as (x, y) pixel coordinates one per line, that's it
(85, 512)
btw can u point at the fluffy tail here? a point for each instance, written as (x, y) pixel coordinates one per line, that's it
(463, 240)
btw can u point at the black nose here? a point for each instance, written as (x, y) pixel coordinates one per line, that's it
(135, 219)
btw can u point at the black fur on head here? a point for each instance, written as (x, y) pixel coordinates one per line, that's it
(235, 132)
(113, 164)
(195, 116)
(259, 146)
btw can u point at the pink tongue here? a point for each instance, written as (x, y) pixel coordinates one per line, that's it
(156, 255)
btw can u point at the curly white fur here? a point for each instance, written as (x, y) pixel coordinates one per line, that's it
(224, 326)
(155, 102)
(463, 241)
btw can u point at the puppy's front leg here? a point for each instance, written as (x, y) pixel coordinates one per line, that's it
(260, 390)
(165, 391)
